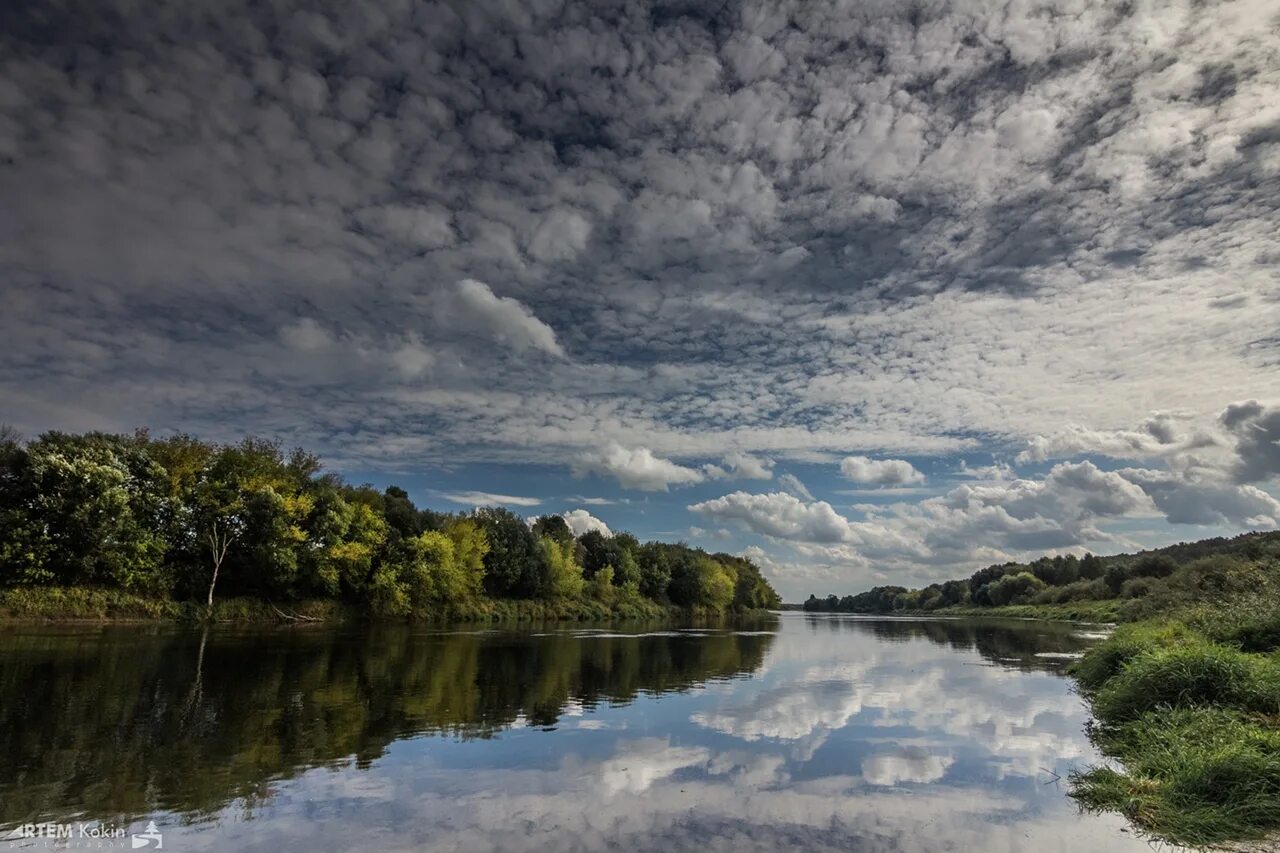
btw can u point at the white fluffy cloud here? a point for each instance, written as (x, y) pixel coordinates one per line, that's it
(780, 515)
(505, 318)
(880, 472)
(993, 520)
(580, 521)
(638, 468)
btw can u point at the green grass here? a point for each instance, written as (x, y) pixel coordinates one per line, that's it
(1194, 673)
(1192, 776)
(87, 604)
(1189, 709)
(1109, 610)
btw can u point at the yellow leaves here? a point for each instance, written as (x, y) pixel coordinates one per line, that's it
(564, 575)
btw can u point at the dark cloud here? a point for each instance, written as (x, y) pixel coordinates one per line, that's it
(1256, 429)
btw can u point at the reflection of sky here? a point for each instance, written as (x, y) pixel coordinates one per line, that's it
(841, 741)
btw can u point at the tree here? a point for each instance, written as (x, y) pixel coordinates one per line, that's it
(403, 518)
(1091, 567)
(83, 510)
(470, 545)
(219, 540)
(553, 527)
(516, 564)
(564, 575)
(1014, 589)
(655, 570)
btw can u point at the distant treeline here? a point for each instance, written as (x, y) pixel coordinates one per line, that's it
(185, 519)
(1068, 579)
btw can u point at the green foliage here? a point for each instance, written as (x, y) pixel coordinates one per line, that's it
(1018, 588)
(564, 575)
(1190, 674)
(515, 565)
(1193, 776)
(1176, 578)
(553, 527)
(600, 587)
(655, 570)
(1191, 717)
(179, 518)
(82, 510)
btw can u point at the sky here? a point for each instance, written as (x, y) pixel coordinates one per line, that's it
(871, 292)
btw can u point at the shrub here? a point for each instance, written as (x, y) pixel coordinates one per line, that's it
(1136, 588)
(1014, 589)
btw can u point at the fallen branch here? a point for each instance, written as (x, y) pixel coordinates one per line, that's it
(296, 617)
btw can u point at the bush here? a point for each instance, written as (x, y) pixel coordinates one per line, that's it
(1136, 588)
(1084, 590)
(1014, 589)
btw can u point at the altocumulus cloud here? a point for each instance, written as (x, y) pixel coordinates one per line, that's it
(672, 245)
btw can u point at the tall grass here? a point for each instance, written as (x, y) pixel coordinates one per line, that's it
(1189, 707)
(110, 605)
(1194, 776)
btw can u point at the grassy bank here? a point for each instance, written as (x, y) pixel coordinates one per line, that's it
(1078, 611)
(1185, 693)
(89, 604)
(1188, 706)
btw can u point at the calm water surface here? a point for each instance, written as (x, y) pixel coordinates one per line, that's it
(811, 732)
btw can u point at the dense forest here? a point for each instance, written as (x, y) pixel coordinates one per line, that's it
(181, 519)
(1177, 571)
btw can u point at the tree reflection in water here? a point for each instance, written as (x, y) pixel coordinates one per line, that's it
(113, 723)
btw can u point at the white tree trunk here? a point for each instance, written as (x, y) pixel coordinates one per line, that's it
(218, 547)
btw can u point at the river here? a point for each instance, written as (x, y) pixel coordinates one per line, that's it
(806, 732)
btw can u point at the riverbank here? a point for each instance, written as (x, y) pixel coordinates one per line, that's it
(1080, 611)
(1190, 709)
(1186, 704)
(1185, 693)
(89, 604)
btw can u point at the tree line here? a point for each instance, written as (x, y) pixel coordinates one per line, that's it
(1064, 579)
(190, 520)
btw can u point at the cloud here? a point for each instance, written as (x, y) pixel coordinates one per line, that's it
(985, 522)
(580, 521)
(488, 499)
(507, 319)
(1206, 498)
(637, 468)
(740, 466)
(780, 515)
(880, 472)
(1256, 430)
(791, 484)
(305, 335)
(1160, 436)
